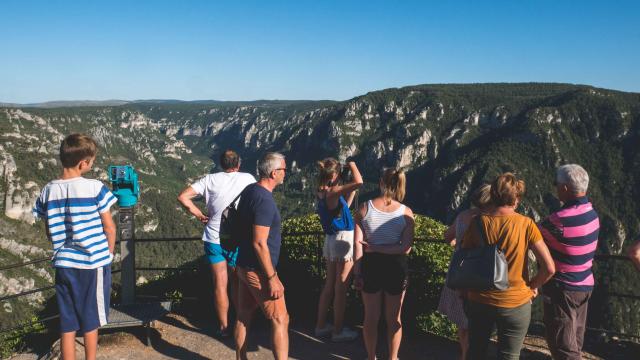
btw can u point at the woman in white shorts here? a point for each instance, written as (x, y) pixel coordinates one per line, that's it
(333, 201)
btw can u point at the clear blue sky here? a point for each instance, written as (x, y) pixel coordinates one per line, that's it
(241, 50)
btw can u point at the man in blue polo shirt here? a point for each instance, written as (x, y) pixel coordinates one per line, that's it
(259, 249)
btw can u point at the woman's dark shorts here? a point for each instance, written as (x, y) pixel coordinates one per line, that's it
(385, 272)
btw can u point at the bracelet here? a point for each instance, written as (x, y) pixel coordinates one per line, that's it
(272, 276)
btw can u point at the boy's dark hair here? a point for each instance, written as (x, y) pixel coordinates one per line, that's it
(75, 148)
(229, 159)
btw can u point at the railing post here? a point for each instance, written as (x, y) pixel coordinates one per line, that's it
(128, 254)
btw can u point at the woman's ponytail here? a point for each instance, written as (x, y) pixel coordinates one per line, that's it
(393, 184)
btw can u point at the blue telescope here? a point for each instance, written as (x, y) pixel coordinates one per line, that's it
(124, 182)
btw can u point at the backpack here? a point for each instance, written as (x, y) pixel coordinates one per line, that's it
(228, 226)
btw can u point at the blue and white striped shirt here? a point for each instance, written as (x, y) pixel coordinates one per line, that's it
(71, 209)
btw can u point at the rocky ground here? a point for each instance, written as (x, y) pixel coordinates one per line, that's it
(176, 337)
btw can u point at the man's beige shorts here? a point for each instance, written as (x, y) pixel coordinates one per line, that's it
(338, 247)
(253, 289)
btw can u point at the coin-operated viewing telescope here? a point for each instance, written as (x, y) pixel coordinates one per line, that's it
(124, 181)
(124, 184)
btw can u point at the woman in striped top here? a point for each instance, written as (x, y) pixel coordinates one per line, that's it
(383, 238)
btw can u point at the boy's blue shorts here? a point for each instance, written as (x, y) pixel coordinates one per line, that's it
(83, 298)
(215, 254)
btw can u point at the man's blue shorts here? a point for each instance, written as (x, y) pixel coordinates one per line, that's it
(83, 298)
(215, 254)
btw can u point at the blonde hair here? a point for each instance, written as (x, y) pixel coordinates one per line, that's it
(506, 189)
(393, 182)
(326, 169)
(482, 196)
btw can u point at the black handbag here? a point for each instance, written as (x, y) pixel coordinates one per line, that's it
(481, 268)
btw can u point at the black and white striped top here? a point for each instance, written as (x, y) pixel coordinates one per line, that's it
(383, 228)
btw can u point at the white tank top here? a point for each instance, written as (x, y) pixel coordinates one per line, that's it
(383, 228)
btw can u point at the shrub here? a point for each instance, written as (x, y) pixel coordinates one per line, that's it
(14, 341)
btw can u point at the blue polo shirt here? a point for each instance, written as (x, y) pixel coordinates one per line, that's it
(257, 207)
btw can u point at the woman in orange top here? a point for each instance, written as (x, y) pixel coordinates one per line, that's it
(510, 309)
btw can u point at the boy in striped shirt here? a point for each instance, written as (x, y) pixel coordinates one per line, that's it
(571, 234)
(79, 224)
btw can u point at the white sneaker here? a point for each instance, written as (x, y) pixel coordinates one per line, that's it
(346, 335)
(325, 331)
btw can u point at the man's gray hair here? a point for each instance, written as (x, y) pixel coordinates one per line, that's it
(268, 163)
(574, 176)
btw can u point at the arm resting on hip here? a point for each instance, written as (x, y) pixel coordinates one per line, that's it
(546, 267)
(186, 199)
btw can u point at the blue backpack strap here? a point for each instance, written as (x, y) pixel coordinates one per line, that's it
(345, 220)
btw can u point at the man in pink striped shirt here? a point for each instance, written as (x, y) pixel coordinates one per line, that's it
(571, 234)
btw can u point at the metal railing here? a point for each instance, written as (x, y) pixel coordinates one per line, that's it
(599, 257)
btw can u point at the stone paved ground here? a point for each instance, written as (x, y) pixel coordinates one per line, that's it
(175, 337)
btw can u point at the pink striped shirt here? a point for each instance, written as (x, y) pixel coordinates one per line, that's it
(572, 237)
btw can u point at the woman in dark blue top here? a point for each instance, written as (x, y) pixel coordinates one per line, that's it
(333, 201)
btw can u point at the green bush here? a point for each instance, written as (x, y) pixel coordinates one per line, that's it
(14, 341)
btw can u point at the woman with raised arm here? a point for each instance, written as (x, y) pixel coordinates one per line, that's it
(333, 201)
(383, 238)
(451, 303)
(510, 309)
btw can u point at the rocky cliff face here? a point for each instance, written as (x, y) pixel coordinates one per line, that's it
(449, 138)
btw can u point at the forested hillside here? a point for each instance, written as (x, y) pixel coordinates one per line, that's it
(450, 139)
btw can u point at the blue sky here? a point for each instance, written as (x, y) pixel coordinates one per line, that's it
(247, 50)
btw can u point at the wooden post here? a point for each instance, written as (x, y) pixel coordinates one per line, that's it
(128, 254)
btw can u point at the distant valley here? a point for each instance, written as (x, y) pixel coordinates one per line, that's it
(450, 139)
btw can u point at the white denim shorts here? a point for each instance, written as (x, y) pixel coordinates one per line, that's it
(338, 247)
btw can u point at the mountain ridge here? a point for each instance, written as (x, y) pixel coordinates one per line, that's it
(117, 102)
(449, 138)
(406, 127)
(101, 103)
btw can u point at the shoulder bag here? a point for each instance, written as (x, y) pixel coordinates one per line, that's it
(481, 268)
